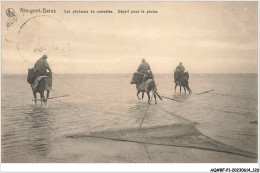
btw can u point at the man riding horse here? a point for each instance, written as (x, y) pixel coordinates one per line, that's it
(181, 78)
(144, 81)
(41, 67)
(144, 68)
(180, 68)
(40, 79)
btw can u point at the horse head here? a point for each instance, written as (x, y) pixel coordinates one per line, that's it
(176, 74)
(150, 74)
(49, 74)
(132, 81)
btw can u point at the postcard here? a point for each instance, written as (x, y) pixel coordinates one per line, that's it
(130, 82)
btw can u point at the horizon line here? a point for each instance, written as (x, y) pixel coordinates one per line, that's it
(119, 73)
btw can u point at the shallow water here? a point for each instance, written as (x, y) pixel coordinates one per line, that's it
(108, 102)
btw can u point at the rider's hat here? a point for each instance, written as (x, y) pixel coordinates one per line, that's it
(44, 56)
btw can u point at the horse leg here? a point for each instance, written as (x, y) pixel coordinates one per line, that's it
(42, 97)
(189, 89)
(175, 87)
(138, 94)
(35, 97)
(48, 92)
(184, 90)
(148, 94)
(180, 88)
(142, 95)
(155, 98)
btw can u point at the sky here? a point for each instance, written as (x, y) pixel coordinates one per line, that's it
(207, 37)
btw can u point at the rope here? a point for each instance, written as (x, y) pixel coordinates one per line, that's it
(220, 94)
(72, 111)
(71, 86)
(144, 116)
(217, 105)
(210, 107)
(228, 95)
(171, 99)
(146, 112)
(205, 92)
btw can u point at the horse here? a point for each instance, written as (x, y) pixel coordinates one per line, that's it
(182, 80)
(44, 83)
(41, 87)
(144, 86)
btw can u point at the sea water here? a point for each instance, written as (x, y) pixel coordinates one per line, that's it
(30, 133)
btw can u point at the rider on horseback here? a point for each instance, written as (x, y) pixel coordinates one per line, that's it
(144, 68)
(181, 78)
(41, 67)
(180, 68)
(144, 81)
(40, 79)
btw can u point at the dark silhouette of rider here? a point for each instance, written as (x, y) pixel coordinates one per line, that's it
(180, 68)
(144, 68)
(41, 67)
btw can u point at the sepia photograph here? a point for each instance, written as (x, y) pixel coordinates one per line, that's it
(130, 82)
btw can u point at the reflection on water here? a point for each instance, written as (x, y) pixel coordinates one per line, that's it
(38, 134)
(29, 135)
(181, 96)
